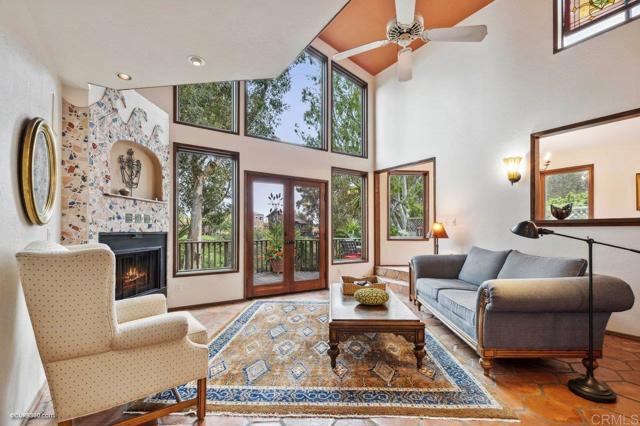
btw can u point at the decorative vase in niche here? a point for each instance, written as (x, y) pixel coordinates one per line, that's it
(561, 213)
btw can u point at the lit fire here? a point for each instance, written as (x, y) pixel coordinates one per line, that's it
(132, 276)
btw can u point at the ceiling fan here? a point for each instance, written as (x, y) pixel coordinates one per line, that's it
(409, 26)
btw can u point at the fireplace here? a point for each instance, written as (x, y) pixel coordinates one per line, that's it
(141, 259)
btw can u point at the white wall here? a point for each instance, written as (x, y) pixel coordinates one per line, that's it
(262, 156)
(26, 89)
(470, 105)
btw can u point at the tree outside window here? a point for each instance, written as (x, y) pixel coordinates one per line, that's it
(407, 205)
(348, 220)
(290, 108)
(209, 105)
(348, 113)
(206, 188)
(568, 186)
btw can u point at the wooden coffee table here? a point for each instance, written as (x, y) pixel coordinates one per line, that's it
(348, 318)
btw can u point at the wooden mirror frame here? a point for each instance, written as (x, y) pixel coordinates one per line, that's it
(535, 172)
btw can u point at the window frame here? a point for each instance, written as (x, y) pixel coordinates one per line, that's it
(364, 258)
(425, 211)
(235, 109)
(324, 118)
(589, 168)
(559, 32)
(235, 156)
(365, 109)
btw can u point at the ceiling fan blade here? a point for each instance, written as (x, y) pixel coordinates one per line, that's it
(471, 33)
(405, 11)
(405, 64)
(359, 49)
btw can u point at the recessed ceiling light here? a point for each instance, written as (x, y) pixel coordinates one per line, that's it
(196, 60)
(123, 76)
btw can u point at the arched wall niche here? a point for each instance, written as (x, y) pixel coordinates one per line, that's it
(150, 184)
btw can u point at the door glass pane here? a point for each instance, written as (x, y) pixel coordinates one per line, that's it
(268, 233)
(307, 232)
(568, 192)
(406, 206)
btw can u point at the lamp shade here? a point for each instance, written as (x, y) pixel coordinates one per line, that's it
(438, 231)
(526, 229)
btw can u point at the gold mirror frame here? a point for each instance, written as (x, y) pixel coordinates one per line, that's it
(35, 127)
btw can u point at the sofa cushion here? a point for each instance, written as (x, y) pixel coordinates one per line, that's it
(482, 265)
(521, 265)
(461, 303)
(430, 287)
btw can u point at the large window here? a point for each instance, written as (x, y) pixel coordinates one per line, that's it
(567, 191)
(209, 105)
(206, 205)
(407, 202)
(349, 111)
(291, 107)
(578, 20)
(348, 216)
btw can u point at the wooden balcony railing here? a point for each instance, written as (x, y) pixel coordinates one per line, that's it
(197, 255)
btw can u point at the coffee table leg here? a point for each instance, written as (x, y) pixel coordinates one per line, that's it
(419, 351)
(333, 346)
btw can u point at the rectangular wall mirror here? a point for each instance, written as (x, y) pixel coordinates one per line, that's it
(586, 174)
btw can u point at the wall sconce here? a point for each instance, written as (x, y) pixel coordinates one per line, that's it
(512, 165)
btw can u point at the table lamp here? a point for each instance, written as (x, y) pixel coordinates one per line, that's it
(437, 232)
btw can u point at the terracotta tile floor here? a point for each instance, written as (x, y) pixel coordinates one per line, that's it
(534, 389)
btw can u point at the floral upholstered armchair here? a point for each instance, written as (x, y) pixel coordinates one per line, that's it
(98, 353)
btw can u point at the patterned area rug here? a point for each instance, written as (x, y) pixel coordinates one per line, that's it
(271, 360)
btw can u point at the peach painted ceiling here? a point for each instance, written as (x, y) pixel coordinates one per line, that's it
(364, 21)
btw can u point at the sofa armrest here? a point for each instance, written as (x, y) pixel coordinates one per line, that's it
(557, 294)
(438, 266)
(140, 307)
(150, 331)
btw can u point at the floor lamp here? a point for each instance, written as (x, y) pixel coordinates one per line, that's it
(586, 386)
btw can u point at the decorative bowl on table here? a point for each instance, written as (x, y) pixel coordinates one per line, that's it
(371, 296)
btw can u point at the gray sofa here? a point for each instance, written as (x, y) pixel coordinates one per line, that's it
(507, 304)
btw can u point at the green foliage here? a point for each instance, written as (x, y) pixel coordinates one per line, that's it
(275, 235)
(347, 115)
(216, 174)
(406, 202)
(207, 104)
(346, 205)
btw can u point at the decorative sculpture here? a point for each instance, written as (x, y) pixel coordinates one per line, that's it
(130, 170)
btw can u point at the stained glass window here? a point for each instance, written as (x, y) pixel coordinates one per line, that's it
(581, 12)
(579, 20)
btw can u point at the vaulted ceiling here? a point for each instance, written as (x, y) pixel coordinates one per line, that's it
(364, 21)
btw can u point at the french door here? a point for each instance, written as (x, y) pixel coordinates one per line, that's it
(285, 234)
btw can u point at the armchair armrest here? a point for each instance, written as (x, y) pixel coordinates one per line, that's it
(438, 266)
(140, 307)
(557, 294)
(150, 331)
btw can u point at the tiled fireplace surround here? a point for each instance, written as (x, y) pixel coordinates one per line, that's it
(90, 211)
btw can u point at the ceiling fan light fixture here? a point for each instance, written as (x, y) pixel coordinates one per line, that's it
(405, 72)
(196, 61)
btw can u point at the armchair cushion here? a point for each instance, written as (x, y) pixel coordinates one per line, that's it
(569, 294)
(150, 331)
(140, 307)
(482, 265)
(521, 265)
(441, 266)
